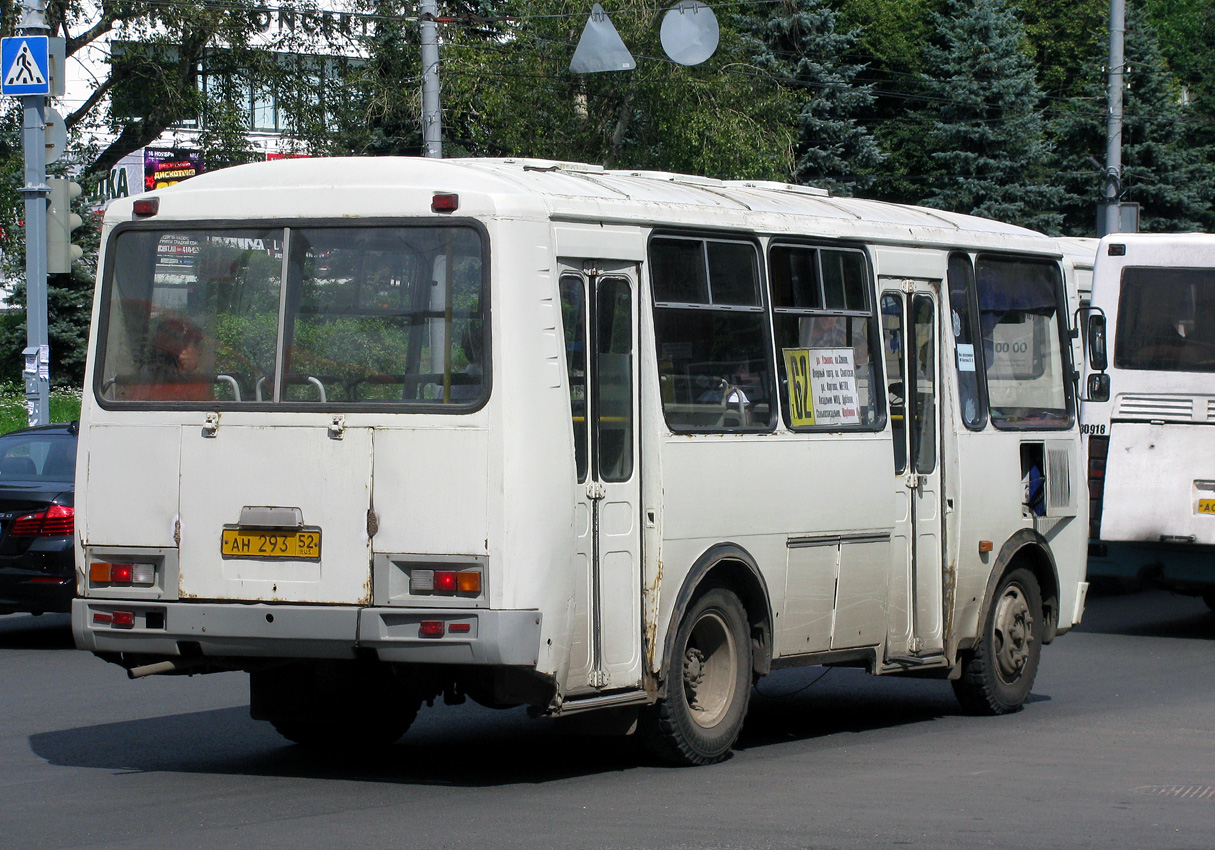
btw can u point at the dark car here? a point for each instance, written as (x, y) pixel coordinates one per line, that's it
(37, 518)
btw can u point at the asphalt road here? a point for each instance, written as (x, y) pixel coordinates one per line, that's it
(1116, 749)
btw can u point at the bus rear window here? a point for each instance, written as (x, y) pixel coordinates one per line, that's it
(310, 316)
(1166, 320)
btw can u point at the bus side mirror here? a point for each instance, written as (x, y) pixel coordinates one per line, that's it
(1099, 387)
(1097, 358)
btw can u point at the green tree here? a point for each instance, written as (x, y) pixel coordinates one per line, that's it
(989, 139)
(800, 44)
(1059, 38)
(1165, 169)
(1187, 40)
(508, 91)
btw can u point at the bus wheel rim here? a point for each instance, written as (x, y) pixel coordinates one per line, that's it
(1012, 632)
(710, 666)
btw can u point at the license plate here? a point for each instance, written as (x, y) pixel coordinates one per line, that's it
(304, 544)
(1205, 506)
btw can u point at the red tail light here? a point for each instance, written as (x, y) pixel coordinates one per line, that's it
(57, 519)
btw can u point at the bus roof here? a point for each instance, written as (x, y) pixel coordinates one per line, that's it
(403, 187)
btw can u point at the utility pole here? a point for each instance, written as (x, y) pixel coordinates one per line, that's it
(1111, 209)
(33, 140)
(432, 118)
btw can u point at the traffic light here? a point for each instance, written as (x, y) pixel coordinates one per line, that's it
(60, 222)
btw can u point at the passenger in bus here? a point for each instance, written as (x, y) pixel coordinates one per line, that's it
(171, 371)
(466, 385)
(829, 332)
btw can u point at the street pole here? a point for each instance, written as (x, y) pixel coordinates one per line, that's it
(1113, 130)
(33, 140)
(432, 118)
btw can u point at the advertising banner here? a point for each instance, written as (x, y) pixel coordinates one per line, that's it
(164, 167)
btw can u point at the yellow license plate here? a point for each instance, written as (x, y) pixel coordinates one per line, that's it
(1206, 506)
(302, 544)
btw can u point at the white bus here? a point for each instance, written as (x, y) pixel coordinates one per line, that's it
(544, 434)
(1152, 441)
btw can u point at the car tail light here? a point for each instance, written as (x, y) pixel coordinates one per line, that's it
(57, 519)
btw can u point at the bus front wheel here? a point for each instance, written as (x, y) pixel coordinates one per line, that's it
(699, 719)
(998, 674)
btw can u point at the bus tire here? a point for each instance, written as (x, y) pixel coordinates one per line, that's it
(998, 674)
(340, 706)
(699, 719)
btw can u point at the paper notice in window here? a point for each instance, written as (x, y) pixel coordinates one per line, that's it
(966, 358)
(831, 394)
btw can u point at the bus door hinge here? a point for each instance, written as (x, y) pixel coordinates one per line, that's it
(590, 269)
(595, 491)
(598, 679)
(337, 427)
(908, 286)
(210, 425)
(913, 480)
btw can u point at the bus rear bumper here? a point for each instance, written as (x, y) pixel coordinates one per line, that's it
(1178, 567)
(231, 631)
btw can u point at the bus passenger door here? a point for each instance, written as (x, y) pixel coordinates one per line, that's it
(599, 309)
(910, 332)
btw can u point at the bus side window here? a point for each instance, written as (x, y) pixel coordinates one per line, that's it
(573, 320)
(893, 342)
(962, 312)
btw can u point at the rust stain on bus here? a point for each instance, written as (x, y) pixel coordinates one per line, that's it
(651, 625)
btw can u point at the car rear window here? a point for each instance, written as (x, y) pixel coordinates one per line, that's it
(37, 457)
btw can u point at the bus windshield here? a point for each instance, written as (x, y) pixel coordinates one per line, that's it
(307, 316)
(1166, 320)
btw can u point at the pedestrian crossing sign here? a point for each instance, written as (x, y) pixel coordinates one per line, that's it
(25, 65)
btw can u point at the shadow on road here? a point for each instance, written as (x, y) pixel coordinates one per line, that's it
(474, 747)
(1111, 609)
(499, 748)
(25, 631)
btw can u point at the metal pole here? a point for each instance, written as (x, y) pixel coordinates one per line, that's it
(432, 118)
(1113, 132)
(33, 140)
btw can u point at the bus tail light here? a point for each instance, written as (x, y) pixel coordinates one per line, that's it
(136, 574)
(445, 581)
(431, 628)
(444, 202)
(1098, 451)
(114, 619)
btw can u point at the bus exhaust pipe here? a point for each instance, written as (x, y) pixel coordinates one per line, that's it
(176, 665)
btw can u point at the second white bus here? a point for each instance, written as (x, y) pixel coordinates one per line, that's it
(545, 434)
(1152, 441)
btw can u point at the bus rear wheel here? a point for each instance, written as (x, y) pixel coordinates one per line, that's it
(334, 705)
(998, 674)
(699, 719)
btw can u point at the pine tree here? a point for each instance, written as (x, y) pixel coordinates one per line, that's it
(989, 139)
(1164, 169)
(800, 45)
